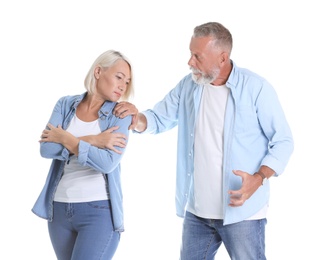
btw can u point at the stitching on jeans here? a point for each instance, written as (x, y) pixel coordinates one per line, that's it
(208, 246)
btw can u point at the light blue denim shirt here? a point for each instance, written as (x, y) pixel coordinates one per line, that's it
(102, 160)
(256, 133)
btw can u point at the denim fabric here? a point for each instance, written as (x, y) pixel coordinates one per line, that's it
(82, 231)
(203, 237)
(103, 160)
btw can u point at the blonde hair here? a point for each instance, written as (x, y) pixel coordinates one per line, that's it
(107, 60)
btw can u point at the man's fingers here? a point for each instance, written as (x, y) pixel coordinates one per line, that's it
(124, 109)
(120, 109)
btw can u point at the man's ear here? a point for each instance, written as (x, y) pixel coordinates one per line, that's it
(223, 57)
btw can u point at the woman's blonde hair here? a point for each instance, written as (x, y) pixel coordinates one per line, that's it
(107, 60)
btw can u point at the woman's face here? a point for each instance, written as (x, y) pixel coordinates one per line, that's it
(112, 82)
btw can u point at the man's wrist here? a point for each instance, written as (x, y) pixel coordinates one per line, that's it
(262, 175)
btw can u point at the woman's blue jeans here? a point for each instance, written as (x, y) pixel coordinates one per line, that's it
(203, 237)
(83, 231)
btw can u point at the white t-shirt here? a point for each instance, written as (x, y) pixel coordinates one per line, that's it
(81, 183)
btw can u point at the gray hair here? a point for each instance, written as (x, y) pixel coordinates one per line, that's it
(107, 60)
(221, 35)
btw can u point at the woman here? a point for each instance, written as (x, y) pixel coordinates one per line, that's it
(82, 196)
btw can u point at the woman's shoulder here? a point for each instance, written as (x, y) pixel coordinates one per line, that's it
(70, 100)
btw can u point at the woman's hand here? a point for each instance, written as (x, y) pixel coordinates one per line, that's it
(107, 139)
(61, 136)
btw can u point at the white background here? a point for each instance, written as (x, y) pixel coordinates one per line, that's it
(46, 50)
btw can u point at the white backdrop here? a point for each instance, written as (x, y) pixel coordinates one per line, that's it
(47, 48)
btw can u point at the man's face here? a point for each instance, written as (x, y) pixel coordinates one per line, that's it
(204, 60)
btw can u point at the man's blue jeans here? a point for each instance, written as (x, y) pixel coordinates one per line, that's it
(202, 238)
(82, 231)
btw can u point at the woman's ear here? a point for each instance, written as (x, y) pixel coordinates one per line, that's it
(97, 72)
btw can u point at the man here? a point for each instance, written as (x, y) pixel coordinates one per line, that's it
(232, 137)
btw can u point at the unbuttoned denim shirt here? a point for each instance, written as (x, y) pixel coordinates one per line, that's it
(102, 160)
(256, 133)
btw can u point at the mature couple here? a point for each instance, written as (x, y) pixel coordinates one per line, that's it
(233, 137)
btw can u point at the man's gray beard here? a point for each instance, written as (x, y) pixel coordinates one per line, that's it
(208, 79)
(202, 80)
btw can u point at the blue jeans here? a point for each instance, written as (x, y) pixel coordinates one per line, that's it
(83, 231)
(203, 237)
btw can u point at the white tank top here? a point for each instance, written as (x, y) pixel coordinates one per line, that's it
(81, 183)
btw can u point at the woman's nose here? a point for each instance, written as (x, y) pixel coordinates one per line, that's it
(122, 87)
